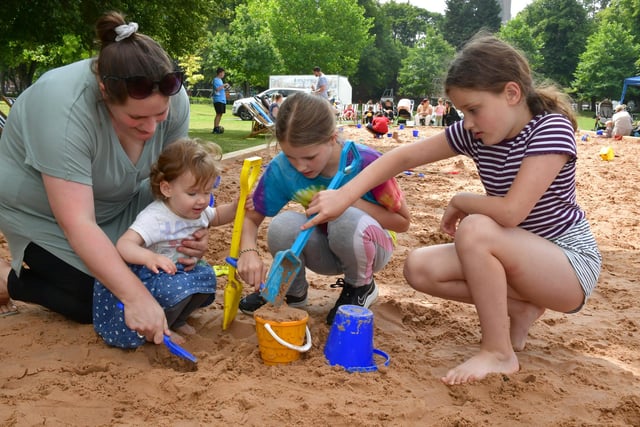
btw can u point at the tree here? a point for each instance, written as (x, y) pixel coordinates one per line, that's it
(329, 33)
(520, 35)
(561, 27)
(606, 62)
(408, 22)
(290, 37)
(379, 62)
(65, 31)
(246, 50)
(464, 18)
(423, 69)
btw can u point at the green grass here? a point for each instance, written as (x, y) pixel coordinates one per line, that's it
(236, 131)
(586, 120)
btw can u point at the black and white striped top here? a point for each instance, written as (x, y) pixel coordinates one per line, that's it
(557, 209)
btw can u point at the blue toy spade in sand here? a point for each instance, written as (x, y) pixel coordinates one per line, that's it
(286, 264)
(174, 348)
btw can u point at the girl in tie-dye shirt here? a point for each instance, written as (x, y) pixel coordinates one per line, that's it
(355, 245)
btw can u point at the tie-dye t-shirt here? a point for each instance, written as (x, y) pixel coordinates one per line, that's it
(281, 183)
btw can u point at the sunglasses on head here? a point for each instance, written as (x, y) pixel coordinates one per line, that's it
(140, 87)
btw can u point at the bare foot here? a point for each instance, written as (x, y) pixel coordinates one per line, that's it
(481, 365)
(521, 317)
(186, 329)
(7, 307)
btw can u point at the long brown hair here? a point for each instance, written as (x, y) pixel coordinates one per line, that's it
(136, 55)
(487, 63)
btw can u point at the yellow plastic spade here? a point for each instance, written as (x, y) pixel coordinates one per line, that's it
(233, 290)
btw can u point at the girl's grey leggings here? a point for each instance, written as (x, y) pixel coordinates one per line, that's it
(354, 245)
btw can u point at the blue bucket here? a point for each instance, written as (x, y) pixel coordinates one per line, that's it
(350, 341)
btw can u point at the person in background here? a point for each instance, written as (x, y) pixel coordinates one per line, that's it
(404, 110)
(349, 113)
(321, 87)
(379, 126)
(182, 181)
(424, 112)
(622, 123)
(438, 112)
(74, 180)
(369, 114)
(450, 114)
(219, 99)
(525, 245)
(356, 244)
(274, 107)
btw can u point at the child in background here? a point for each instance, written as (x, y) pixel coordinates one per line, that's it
(438, 112)
(379, 126)
(349, 113)
(181, 181)
(424, 112)
(450, 114)
(275, 106)
(368, 116)
(356, 244)
(523, 247)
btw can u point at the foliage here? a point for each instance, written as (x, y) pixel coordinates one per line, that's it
(379, 63)
(424, 67)
(246, 50)
(408, 22)
(625, 12)
(464, 18)
(329, 33)
(562, 28)
(65, 31)
(191, 65)
(288, 37)
(520, 35)
(377, 45)
(606, 62)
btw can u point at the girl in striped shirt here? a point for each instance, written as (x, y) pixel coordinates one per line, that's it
(522, 247)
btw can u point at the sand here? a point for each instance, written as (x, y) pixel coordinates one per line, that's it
(576, 370)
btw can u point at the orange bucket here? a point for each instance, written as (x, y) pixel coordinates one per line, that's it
(281, 341)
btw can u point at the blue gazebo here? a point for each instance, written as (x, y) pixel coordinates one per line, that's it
(629, 81)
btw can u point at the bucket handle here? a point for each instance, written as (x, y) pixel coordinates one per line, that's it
(300, 348)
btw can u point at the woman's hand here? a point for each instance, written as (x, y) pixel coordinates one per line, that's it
(193, 248)
(145, 316)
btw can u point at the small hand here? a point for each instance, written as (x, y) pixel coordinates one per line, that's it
(450, 220)
(251, 269)
(157, 262)
(326, 205)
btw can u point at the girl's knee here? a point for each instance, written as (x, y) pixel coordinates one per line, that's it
(283, 230)
(475, 230)
(417, 268)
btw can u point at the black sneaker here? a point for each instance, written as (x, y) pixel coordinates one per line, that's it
(254, 301)
(363, 296)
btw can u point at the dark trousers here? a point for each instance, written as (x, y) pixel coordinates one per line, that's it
(48, 281)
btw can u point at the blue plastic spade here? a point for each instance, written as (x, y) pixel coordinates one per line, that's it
(174, 348)
(287, 264)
